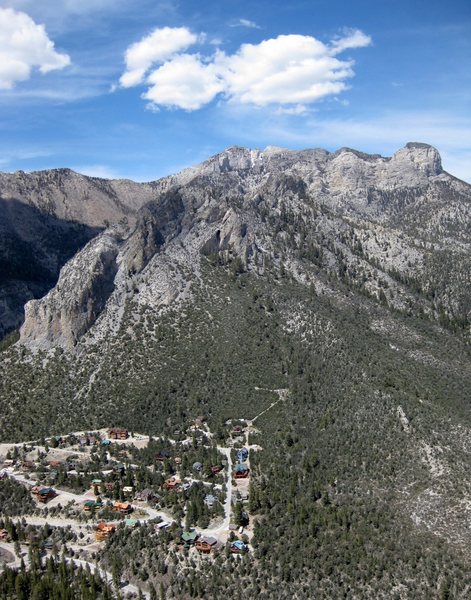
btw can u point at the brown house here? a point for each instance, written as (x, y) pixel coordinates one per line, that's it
(43, 494)
(171, 484)
(205, 544)
(118, 433)
(122, 507)
(103, 531)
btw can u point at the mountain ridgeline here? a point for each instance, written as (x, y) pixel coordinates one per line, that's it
(343, 278)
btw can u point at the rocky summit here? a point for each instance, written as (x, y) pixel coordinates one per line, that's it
(313, 307)
(394, 228)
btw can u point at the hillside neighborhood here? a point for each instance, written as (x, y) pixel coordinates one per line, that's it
(92, 483)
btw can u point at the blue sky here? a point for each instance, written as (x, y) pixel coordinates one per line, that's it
(143, 88)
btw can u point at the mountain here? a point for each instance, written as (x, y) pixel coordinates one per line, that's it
(341, 278)
(394, 228)
(45, 218)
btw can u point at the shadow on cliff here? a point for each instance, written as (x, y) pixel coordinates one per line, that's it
(34, 246)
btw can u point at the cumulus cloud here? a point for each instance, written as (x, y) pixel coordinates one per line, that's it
(155, 48)
(23, 46)
(289, 70)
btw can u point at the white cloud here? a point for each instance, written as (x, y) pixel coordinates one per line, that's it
(23, 46)
(245, 23)
(290, 70)
(185, 82)
(352, 38)
(155, 48)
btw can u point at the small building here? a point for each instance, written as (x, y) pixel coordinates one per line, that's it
(163, 455)
(242, 455)
(241, 471)
(215, 469)
(123, 508)
(43, 494)
(197, 466)
(103, 531)
(237, 430)
(3, 474)
(178, 460)
(205, 544)
(55, 464)
(132, 523)
(118, 433)
(189, 538)
(238, 547)
(4, 537)
(119, 469)
(209, 500)
(105, 442)
(97, 486)
(28, 465)
(128, 490)
(171, 484)
(145, 495)
(199, 421)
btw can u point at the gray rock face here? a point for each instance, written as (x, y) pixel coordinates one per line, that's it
(382, 225)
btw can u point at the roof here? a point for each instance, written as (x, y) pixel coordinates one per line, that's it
(131, 522)
(197, 465)
(239, 545)
(189, 536)
(240, 468)
(208, 540)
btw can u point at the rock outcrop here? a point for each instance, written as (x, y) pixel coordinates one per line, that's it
(366, 219)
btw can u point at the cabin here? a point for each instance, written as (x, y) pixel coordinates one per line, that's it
(43, 494)
(171, 484)
(209, 500)
(123, 508)
(28, 465)
(163, 455)
(118, 433)
(241, 471)
(199, 421)
(4, 537)
(238, 547)
(97, 486)
(119, 469)
(242, 455)
(132, 523)
(103, 531)
(189, 538)
(206, 544)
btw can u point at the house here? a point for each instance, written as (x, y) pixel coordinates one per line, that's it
(97, 486)
(118, 433)
(238, 547)
(237, 430)
(28, 465)
(3, 475)
(55, 464)
(43, 494)
(122, 507)
(206, 544)
(145, 495)
(242, 455)
(171, 484)
(92, 505)
(119, 469)
(132, 523)
(4, 537)
(128, 490)
(162, 525)
(103, 531)
(105, 442)
(178, 460)
(189, 538)
(197, 466)
(109, 486)
(216, 469)
(163, 455)
(209, 500)
(241, 471)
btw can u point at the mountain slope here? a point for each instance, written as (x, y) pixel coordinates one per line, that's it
(342, 278)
